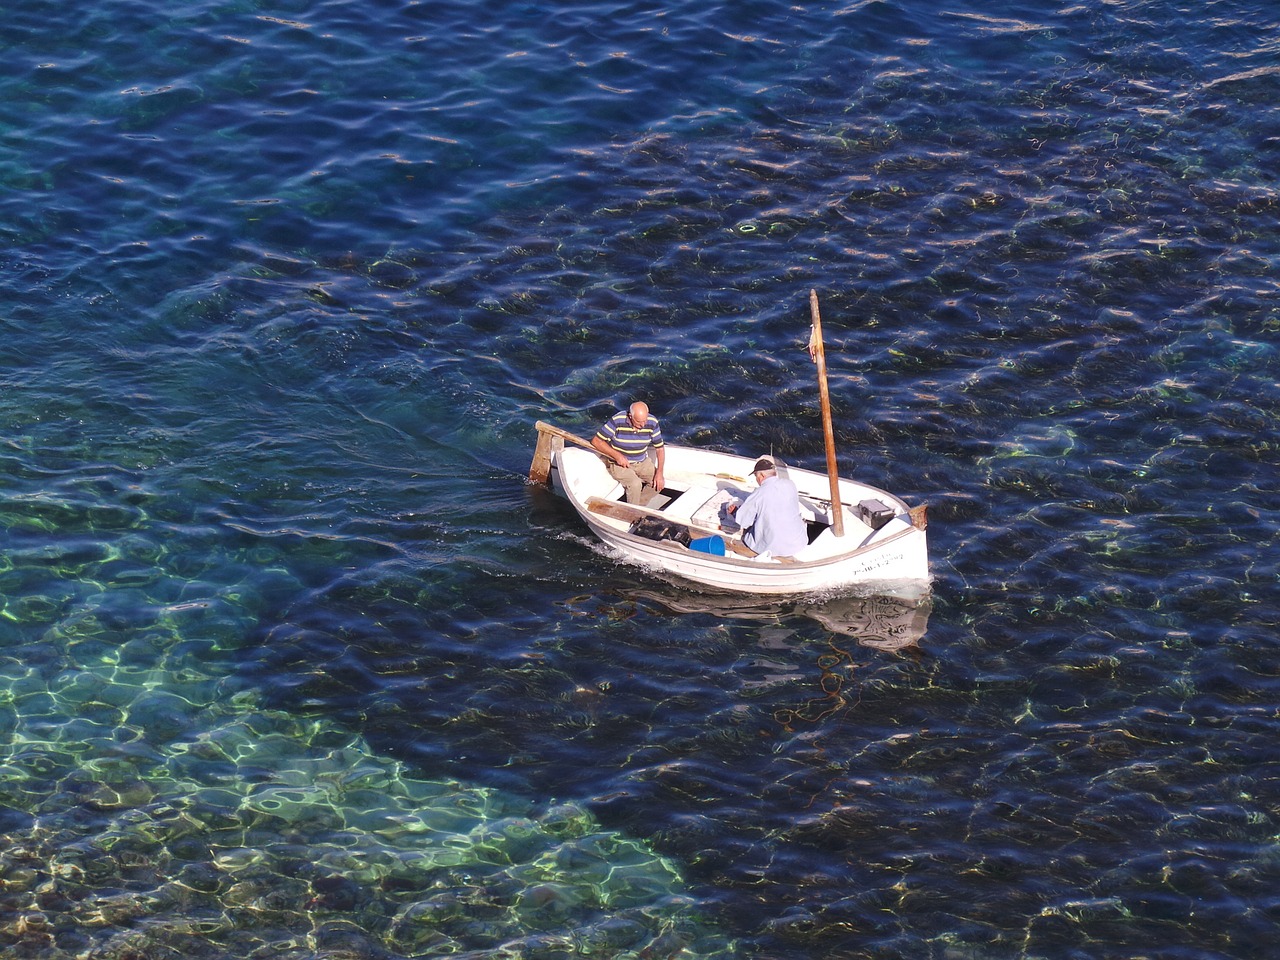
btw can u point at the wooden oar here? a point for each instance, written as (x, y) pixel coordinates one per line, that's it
(540, 469)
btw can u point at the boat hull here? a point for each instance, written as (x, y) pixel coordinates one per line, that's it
(891, 558)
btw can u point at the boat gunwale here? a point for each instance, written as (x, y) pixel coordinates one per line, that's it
(715, 560)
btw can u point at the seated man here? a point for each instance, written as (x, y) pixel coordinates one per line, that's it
(626, 441)
(770, 516)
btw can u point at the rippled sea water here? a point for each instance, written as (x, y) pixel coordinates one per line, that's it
(295, 664)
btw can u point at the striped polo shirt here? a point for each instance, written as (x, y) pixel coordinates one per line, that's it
(627, 440)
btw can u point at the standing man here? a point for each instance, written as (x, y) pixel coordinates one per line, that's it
(626, 441)
(770, 516)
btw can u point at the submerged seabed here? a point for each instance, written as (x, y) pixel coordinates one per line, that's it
(151, 806)
(294, 664)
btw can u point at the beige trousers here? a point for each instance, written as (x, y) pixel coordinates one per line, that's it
(636, 480)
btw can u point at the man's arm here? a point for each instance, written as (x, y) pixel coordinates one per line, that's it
(660, 481)
(604, 448)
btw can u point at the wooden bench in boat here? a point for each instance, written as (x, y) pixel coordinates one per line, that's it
(630, 512)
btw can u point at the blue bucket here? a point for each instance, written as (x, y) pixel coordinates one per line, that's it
(713, 545)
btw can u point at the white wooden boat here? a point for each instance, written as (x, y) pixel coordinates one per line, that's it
(699, 485)
(888, 554)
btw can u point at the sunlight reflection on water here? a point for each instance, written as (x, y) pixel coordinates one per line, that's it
(286, 290)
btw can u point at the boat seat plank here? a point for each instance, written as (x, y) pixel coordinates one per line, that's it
(630, 512)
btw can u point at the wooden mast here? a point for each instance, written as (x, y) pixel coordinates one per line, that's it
(818, 355)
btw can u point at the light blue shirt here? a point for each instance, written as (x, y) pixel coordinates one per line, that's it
(770, 519)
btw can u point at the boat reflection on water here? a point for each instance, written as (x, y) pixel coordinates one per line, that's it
(882, 621)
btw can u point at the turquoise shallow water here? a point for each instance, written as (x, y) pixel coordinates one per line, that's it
(293, 662)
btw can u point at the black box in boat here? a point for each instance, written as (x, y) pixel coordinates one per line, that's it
(874, 513)
(655, 528)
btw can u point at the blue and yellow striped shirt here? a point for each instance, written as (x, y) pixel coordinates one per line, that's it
(633, 443)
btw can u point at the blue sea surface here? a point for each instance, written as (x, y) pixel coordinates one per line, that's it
(294, 661)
